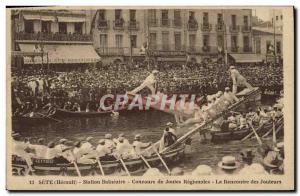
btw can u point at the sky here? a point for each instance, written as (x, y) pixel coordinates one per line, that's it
(262, 13)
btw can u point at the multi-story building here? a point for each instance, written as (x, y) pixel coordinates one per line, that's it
(53, 37)
(172, 34)
(276, 18)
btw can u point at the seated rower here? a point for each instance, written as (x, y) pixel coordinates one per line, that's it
(81, 156)
(76, 107)
(243, 122)
(40, 148)
(124, 150)
(104, 152)
(167, 139)
(109, 143)
(64, 150)
(51, 151)
(140, 146)
(86, 146)
(121, 135)
(19, 149)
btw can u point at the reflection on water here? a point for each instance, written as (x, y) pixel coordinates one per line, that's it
(150, 124)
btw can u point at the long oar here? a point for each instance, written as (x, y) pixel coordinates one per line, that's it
(77, 169)
(145, 161)
(100, 166)
(256, 135)
(274, 133)
(49, 117)
(124, 166)
(250, 134)
(163, 162)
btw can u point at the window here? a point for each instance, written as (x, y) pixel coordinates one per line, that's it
(118, 14)
(192, 42)
(205, 18)
(276, 18)
(191, 15)
(62, 27)
(133, 40)
(220, 18)
(132, 15)
(206, 40)
(119, 41)
(165, 40)
(177, 40)
(281, 17)
(220, 39)
(152, 41)
(233, 21)
(78, 27)
(278, 47)
(258, 45)
(152, 17)
(177, 18)
(28, 26)
(46, 26)
(246, 21)
(269, 46)
(164, 18)
(234, 44)
(246, 44)
(101, 14)
(103, 40)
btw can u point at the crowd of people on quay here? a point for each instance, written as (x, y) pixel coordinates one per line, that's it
(32, 89)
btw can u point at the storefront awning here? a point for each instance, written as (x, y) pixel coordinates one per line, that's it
(247, 58)
(70, 19)
(61, 54)
(172, 59)
(39, 17)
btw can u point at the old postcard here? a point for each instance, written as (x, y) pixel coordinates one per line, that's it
(150, 98)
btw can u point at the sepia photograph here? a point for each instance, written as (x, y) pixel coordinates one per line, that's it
(150, 98)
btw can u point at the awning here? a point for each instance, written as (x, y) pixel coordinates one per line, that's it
(172, 59)
(61, 54)
(39, 17)
(70, 19)
(247, 58)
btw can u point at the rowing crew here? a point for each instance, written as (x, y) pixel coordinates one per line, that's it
(85, 152)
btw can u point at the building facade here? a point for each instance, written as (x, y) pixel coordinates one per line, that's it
(53, 37)
(171, 34)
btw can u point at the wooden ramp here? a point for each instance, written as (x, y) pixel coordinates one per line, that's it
(201, 127)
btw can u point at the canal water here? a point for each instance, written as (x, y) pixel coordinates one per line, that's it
(150, 124)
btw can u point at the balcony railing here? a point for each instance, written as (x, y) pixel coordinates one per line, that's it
(246, 29)
(119, 24)
(177, 23)
(220, 27)
(153, 22)
(192, 26)
(234, 28)
(247, 49)
(165, 22)
(234, 49)
(53, 36)
(206, 27)
(107, 51)
(103, 24)
(133, 25)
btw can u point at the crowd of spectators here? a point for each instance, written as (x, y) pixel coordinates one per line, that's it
(39, 87)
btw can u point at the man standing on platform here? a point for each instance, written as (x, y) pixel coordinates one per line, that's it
(149, 82)
(238, 80)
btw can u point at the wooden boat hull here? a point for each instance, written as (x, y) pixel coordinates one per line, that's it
(135, 166)
(222, 136)
(29, 121)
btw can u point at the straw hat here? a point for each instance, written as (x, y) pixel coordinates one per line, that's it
(177, 171)
(63, 140)
(108, 136)
(153, 172)
(232, 67)
(137, 136)
(202, 170)
(229, 163)
(155, 71)
(169, 124)
(88, 138)
(101, 141)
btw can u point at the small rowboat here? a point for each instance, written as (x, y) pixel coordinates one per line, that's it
(67, 113)
(224, 136)
(135, 166)
(36, 119)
